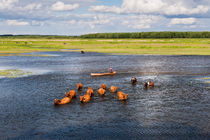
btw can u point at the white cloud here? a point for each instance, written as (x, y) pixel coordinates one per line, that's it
(93, 21)
(106, 9)
(60, 6)
(140, 22)
(172, 7)
(132, 22)
(72, 21)
(7, 4)
(129, 16)
(16, 10)
(191, 26)
(33, 6)
(17, 23)
(184, 21)
(37, 23)
(87, 1)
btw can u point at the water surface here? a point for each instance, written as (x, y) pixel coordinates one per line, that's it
(176, 108)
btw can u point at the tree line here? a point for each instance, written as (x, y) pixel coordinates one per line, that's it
(120, 35)
(149, 35)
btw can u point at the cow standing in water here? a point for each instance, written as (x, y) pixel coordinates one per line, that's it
(113, 89)
(63, 101)
(149, 84)
(79, 86)
(122, 96)
(133, 80)
(85, 98)
(71, 93)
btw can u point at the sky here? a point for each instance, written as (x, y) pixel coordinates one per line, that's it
(76, 17)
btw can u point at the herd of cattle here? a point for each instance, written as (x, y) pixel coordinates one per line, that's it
(101, 91)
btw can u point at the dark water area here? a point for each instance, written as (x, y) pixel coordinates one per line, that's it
(178, 107)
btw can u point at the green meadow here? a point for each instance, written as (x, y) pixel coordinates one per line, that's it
(189, 46)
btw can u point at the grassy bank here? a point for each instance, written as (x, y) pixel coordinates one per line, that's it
(122, 46)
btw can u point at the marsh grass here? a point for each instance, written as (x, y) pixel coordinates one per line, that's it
(13, 73)
(122, 46)
(206, 78)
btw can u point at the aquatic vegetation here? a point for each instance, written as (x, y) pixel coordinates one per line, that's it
(206, 78)
(13, 73)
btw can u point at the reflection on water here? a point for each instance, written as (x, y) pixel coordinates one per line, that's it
(176, 108)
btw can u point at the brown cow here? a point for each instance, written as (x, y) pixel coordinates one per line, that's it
(71, 93)
(113, 89)
(90, 91)
(79, 86)
(65, 100)
(103, 86)
(85, 98)
(122, 96)
(101, 91)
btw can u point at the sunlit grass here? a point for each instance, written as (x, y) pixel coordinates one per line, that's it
(121, 46)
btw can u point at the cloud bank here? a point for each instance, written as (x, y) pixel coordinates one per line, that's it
(85, 16)
(17, 23)
(165, 7)
(185, 21)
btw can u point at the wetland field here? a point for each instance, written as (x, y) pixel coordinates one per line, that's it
(34, 72)
(120, 46)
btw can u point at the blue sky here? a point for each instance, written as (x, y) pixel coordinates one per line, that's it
(76, 17)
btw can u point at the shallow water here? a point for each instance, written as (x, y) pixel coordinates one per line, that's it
(176, 108)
